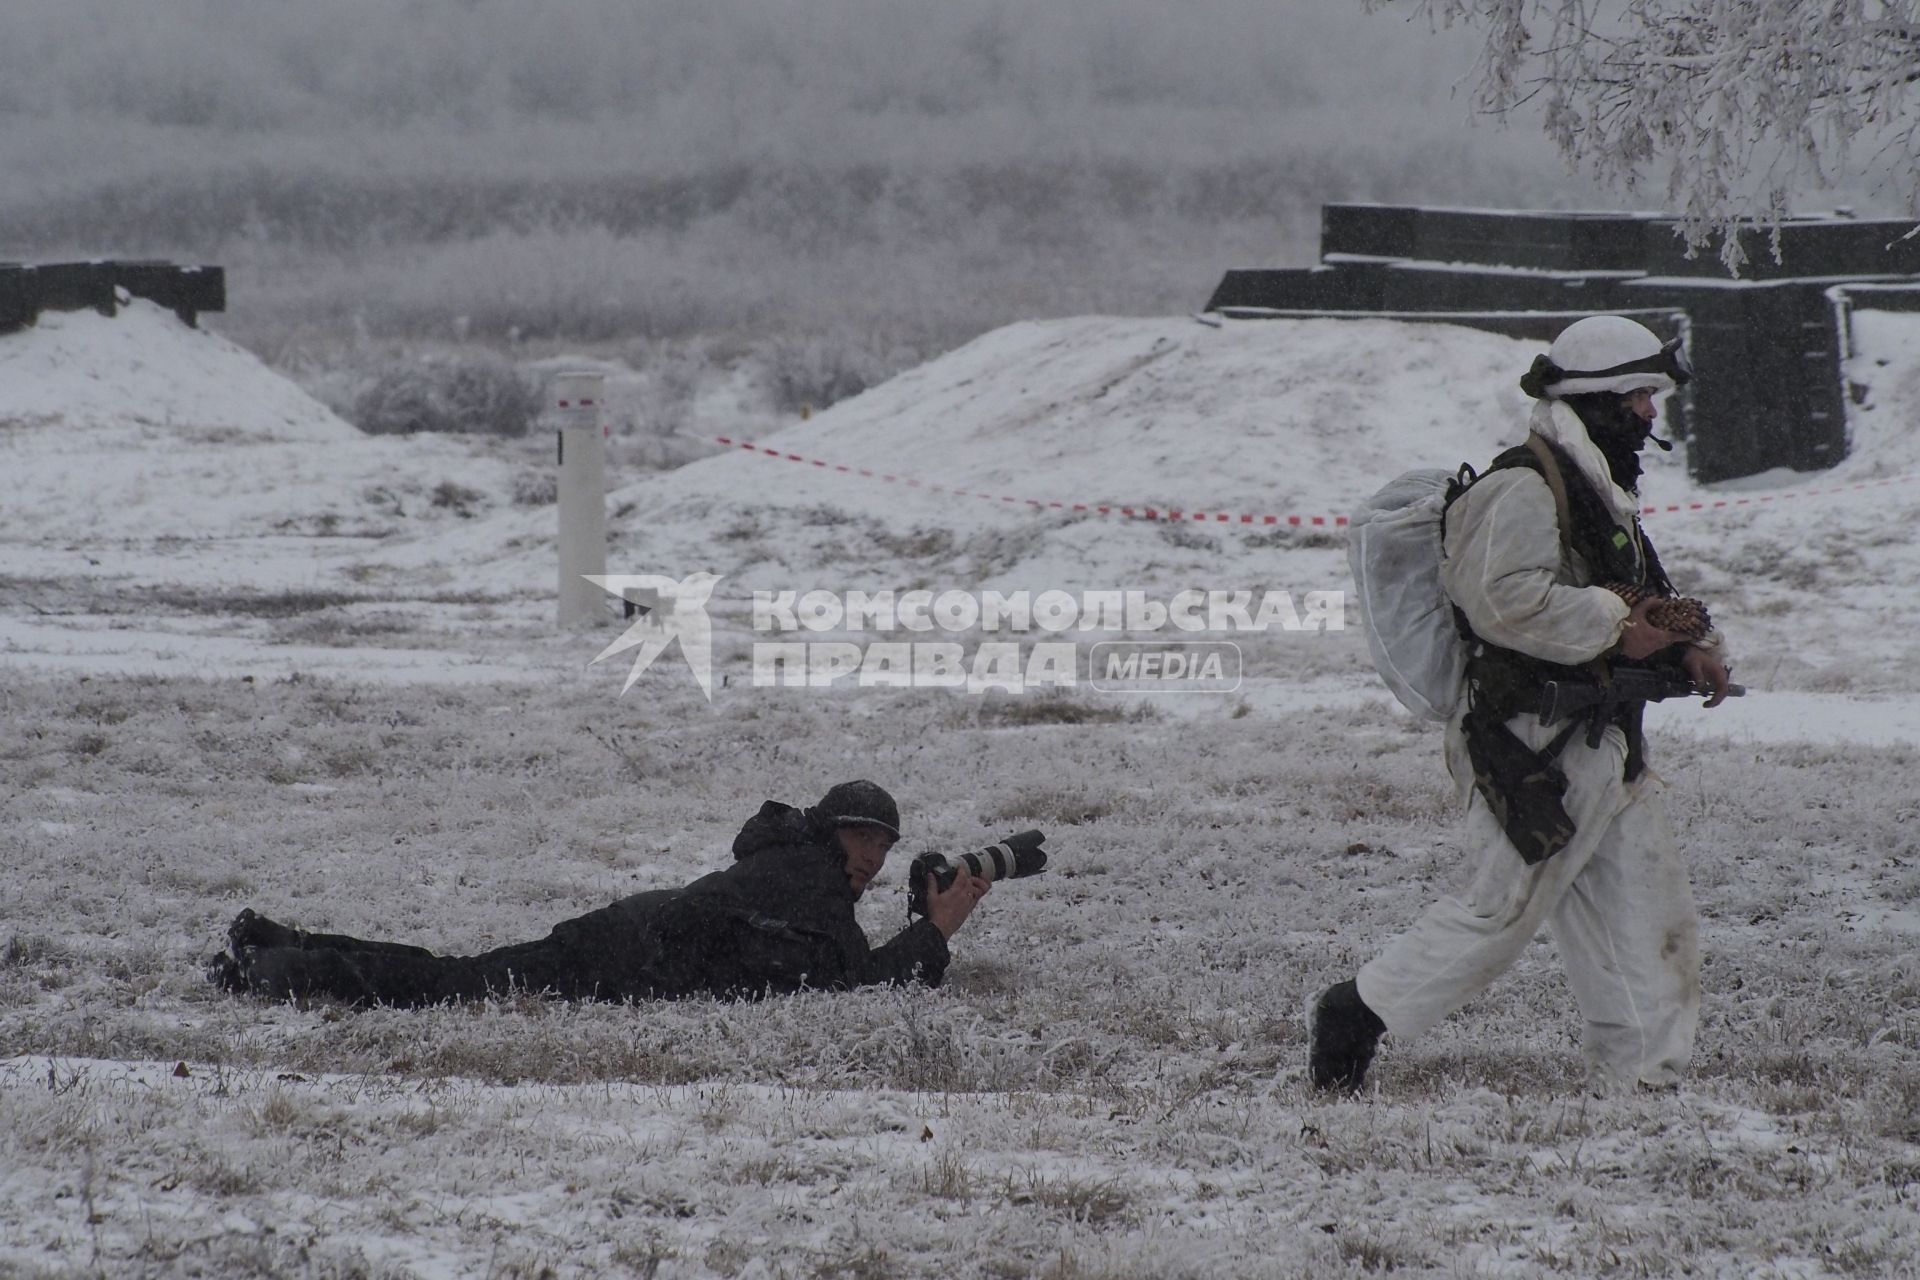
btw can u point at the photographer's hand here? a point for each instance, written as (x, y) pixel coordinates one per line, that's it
(949, 908)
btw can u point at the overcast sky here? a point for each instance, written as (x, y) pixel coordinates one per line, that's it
(739, 76)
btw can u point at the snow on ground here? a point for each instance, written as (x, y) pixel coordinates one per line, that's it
(1109, 1084)
(249, 657)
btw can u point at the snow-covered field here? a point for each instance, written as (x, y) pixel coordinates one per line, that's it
(248, 657)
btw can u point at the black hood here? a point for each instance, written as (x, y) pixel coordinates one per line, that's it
(776, 825)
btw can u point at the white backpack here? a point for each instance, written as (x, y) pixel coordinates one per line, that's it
(1393, 548)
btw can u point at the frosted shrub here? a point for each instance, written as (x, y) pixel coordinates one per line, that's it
(535, 488)
(813, 372)
(472, 394)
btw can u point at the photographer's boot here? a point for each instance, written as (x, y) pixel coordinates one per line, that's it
(1345, 1035)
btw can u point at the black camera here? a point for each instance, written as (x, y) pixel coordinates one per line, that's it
(1016, 856)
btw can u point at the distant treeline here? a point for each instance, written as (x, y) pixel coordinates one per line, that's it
(763, 71)
(1031, 201)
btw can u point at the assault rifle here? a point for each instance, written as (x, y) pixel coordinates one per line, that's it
(1560, 699)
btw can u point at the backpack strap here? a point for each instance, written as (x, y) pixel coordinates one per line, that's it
(1550, 472)
(1563, 513)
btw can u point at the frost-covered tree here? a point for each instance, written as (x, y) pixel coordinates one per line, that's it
(1737, 104)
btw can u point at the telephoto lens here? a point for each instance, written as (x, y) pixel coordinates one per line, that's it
(1016, 856)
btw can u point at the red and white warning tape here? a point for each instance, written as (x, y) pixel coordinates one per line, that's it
(1223, 517)
(1091, 508)
(1761, 499)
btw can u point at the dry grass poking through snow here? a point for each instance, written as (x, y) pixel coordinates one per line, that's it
(1110, 1085)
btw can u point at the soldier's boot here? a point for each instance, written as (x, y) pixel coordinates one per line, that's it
(1345, 1035)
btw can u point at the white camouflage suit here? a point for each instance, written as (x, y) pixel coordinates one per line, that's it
(1616, 897)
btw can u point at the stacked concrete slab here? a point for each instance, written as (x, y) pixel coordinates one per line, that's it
(1769, 347)
(27, 290)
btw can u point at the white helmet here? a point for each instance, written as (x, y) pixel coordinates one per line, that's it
(1607, 353)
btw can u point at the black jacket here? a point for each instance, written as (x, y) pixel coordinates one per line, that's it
(778, 920)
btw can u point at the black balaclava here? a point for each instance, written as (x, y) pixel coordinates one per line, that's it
(1616, 430)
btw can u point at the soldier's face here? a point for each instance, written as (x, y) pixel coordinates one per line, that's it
(1642, 404)
(866, 850)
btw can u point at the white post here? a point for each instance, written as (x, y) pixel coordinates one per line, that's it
(576, 407)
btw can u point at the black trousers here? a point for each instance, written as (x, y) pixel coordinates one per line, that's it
(648, 947)
(375, 973)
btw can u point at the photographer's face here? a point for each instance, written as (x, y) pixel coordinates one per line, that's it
(866, 850)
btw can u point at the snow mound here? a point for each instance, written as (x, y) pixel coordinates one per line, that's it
(979, 458)
(991, 447)
(143, 366)
(970, 453)
(1273, 417)
(1269, 417)
(136, 427)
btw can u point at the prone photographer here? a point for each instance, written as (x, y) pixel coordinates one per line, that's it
(780, 919)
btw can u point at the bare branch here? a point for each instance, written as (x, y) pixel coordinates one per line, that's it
(1739, 103)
